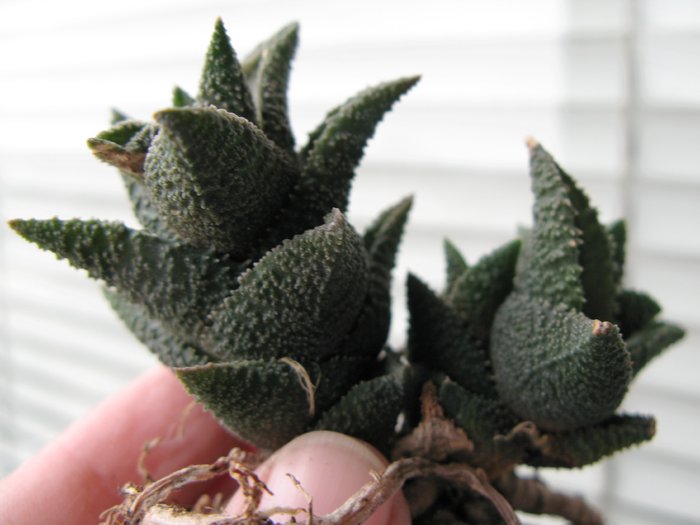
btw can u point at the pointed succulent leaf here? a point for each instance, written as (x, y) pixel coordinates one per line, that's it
(267, 73)
(439, 338)
(337, 375)
(181, 98)
(478, 293)
(122, 131)
(369, 412)
(596, 255)
(647, 343)
(480, 417)
(175, 283)
(118, 156)
(584, 446)
(381, 241)
(169, 348)
(552, 271)
(556, 367)
(216, 179)
(222, 83)
(299, 301)
(329, 162)
(117, 116)
(263, 402)
(456, 265)
(618, 240)
(635, 311)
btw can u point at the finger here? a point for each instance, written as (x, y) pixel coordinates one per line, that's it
(330, 467)
(79, 475)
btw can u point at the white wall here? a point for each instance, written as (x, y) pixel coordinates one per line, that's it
(610, 87)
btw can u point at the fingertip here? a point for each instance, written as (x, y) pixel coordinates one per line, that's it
(330, 467)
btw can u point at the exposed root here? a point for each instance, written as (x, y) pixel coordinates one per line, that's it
(305, 381)
(533, 496)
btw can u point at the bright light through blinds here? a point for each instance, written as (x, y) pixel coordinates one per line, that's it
(611, 87)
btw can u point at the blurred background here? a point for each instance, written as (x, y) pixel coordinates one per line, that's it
(610, 87)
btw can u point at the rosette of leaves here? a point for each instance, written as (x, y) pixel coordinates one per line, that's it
(533, 347)
(245, 275)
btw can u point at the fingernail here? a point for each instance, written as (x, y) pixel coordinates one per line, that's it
(330, 467)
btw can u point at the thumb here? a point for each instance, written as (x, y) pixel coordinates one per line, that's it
(331, 467)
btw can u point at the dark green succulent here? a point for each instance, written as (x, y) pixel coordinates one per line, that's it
(247, 279)
(534, 346)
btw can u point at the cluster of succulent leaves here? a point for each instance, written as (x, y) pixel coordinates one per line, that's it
(247, 279)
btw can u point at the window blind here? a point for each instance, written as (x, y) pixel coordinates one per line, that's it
(610, 87)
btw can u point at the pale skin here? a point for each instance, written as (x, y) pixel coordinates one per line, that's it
(75, 478)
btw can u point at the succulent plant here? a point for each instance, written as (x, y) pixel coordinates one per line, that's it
(247, 279)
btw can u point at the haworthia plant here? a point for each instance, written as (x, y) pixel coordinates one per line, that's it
(248, 280)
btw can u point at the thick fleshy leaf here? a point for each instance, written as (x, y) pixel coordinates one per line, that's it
(596, 256)
(480, 290)
(118, 156)
(265, 402)
(552, 271)
(266, 71)
(215, 178)
(480, 417)
(556, 367)
(618, 240)
(175, 283)
(455, 265)
(181, 98)
(299, 301)
(122, 131)
(117, 116)
(172, 350)
(222, 83)
(334, 151)
(650, 342)
(368, 412)
(439, 338)
(337, 375)
(381, 241)
(587, 445)
(635, 311)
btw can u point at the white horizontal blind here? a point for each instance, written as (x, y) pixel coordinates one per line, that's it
(609, 87)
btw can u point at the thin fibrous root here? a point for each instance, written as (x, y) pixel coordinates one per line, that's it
(138, 500)
(356, 510)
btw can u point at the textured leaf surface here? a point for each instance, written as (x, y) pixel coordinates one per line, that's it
(551, 271)
(556, 367)
(439, 338)
(170, 349)
(263, 402)
(381, 242)
(618, 240)
(122, 131)
(298, 301)
(479, 291)
(216, 179)
(222, 83)
(267, 74)
(455, 265)
(176, 283)
(596, 256)
(481, 418)
(651, 341)
(635, 311)
(588, 445)
(368, 412)
(335, 150)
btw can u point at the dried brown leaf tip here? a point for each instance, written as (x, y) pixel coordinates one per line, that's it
(247, 279)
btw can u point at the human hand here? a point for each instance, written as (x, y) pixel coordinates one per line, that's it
(74, 479)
